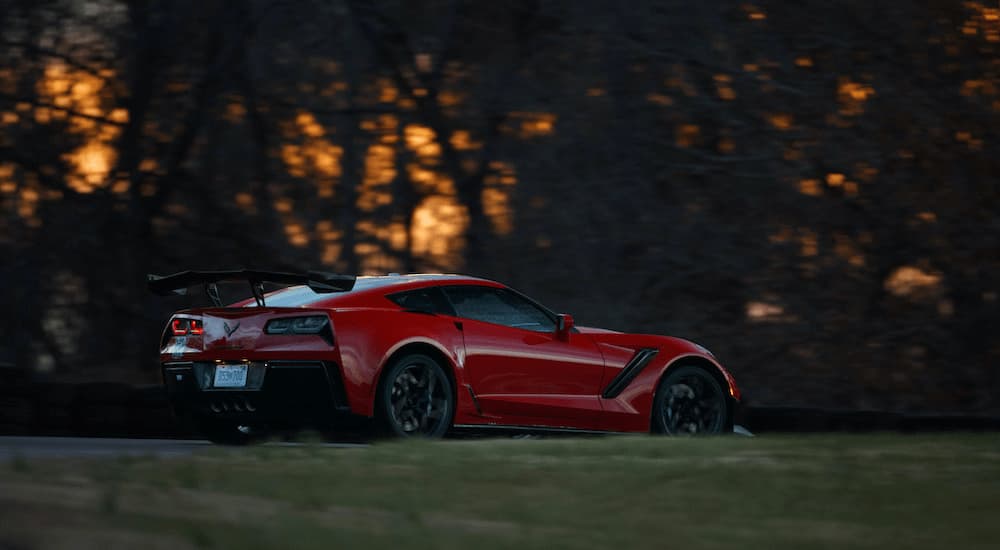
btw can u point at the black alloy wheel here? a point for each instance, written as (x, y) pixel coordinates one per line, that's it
(690, 401)
(416, 398)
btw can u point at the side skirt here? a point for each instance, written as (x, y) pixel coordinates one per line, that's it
(500, 428)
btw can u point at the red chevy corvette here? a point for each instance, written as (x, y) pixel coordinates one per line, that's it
(423, 355)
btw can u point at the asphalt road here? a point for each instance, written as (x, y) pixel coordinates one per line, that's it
(71, 447)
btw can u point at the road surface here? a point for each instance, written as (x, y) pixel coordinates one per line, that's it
(72, 447)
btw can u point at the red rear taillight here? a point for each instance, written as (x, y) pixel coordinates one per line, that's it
(183, 327)
(179, 326)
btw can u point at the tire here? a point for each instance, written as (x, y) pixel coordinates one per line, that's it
(690, 401)
(223, 432)
(415, 398)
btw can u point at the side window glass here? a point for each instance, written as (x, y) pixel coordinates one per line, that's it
(498, 306)
(427, 300)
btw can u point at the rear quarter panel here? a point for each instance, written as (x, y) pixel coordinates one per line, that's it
(368, 337)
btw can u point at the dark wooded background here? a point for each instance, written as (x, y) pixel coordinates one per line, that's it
(806, 188)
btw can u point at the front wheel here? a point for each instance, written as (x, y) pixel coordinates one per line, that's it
(690, 401)
(416, 398)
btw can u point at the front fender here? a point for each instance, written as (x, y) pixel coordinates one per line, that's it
(630, 410)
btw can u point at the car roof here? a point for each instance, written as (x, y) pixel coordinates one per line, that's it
(367, 288)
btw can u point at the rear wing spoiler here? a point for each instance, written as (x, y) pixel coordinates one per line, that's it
(178, 283)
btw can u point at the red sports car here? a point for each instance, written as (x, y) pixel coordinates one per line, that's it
(423, 355)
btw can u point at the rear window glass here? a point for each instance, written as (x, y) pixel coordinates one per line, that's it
(292, 297)
(297, 296)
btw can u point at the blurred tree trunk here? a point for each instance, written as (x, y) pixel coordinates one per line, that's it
(352, 163)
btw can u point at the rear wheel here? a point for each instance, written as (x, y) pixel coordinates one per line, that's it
(690, 401)
(416, 398)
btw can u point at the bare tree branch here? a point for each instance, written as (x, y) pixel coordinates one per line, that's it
(35, 102)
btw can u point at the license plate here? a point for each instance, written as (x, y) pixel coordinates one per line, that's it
(230, 376)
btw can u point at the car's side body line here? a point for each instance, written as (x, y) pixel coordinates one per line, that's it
(629, 372)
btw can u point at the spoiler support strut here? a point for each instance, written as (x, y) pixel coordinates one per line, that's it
(257, 288)
(212, 290)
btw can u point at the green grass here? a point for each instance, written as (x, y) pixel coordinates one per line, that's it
(864, 491)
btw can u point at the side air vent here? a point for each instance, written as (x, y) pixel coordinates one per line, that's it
(629, 372)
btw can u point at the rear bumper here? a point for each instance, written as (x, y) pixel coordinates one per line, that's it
(290, 392)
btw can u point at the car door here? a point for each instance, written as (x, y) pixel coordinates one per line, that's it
(521, 373)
